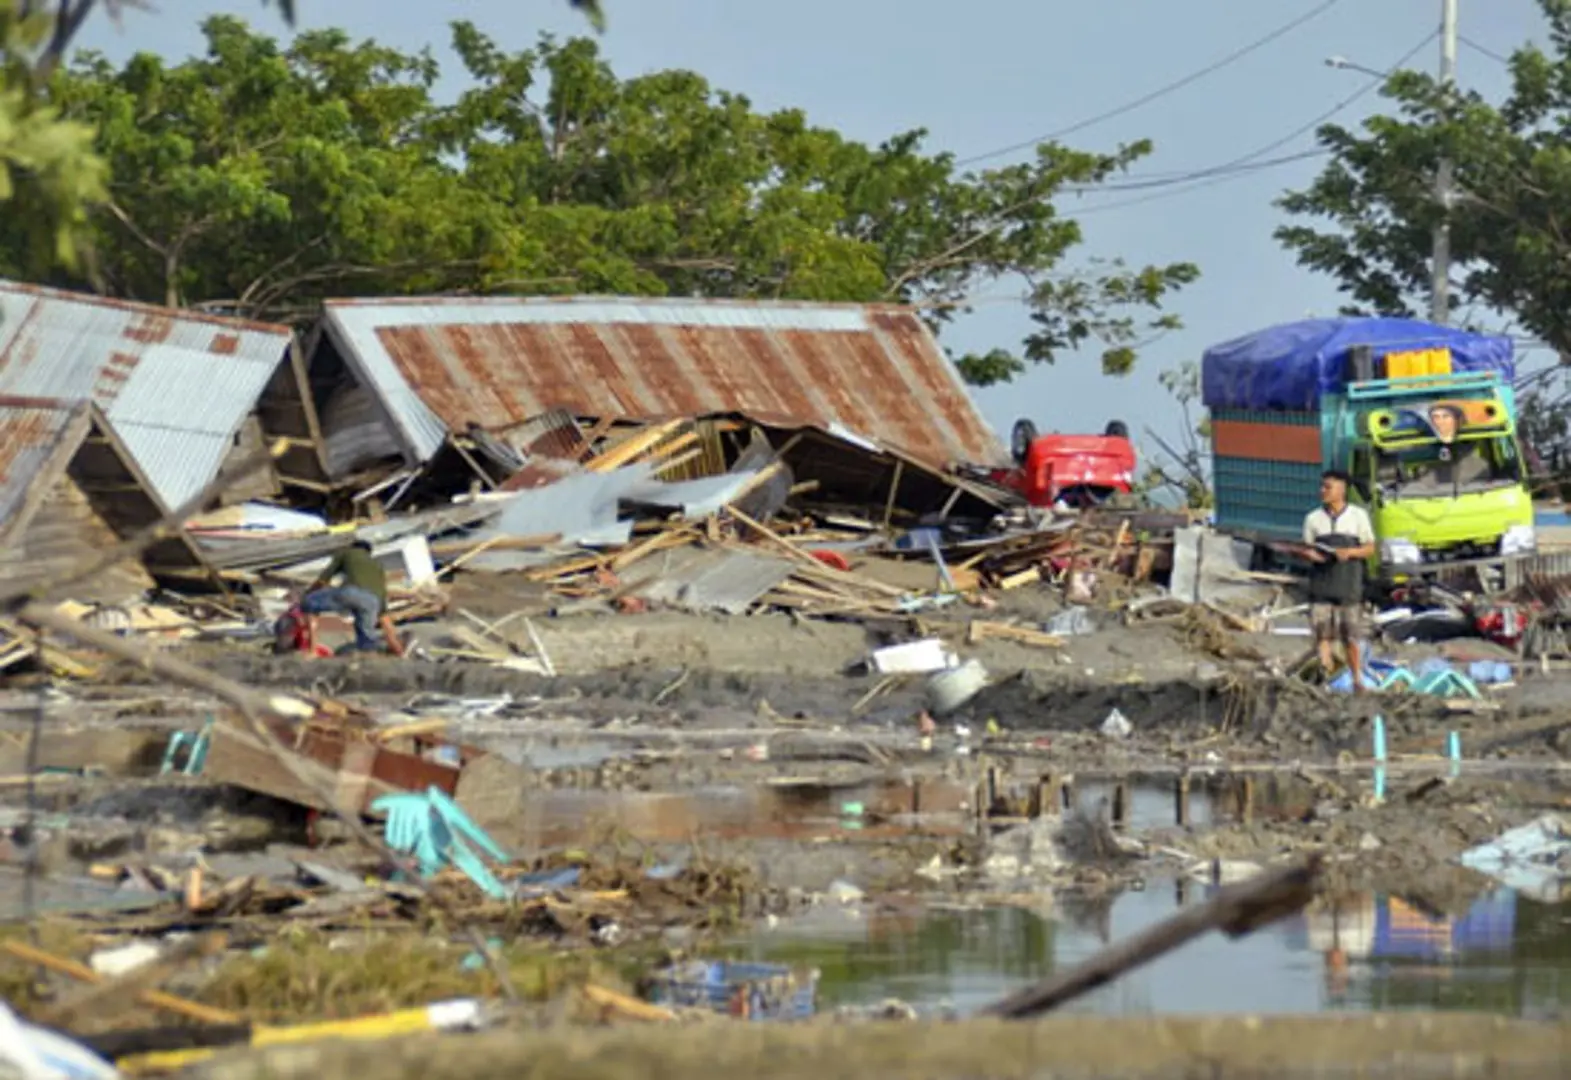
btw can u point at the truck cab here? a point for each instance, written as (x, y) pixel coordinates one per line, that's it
(1435, 460)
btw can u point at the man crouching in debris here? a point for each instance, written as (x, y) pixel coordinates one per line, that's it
(362, 596)
(1338, 537)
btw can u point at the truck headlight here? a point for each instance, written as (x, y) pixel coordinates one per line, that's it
(1519, 540)
(1400, 553)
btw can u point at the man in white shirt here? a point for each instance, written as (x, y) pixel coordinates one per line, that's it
(1338, 538)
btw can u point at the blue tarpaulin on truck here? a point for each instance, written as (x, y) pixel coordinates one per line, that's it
(1288, 367)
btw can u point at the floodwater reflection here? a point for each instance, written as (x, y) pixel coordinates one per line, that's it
(1505, 955)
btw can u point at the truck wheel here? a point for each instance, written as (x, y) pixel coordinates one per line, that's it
(1116, 429)
(1020, 440)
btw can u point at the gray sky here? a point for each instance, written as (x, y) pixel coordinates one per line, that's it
(986, 74)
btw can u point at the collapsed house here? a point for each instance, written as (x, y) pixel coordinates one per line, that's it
(858, 398)
(71, 488)
(187, 393)
(113, 413)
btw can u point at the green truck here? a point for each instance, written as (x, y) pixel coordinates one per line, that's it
(1422, 417)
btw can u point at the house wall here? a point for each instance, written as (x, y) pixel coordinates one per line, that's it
(64, 532)
(356, 432)
(263, 484)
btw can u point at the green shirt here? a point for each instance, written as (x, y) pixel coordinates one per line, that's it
(359, 570)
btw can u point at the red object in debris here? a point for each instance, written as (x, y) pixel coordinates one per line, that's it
(1503, 624)
(293, 634)
(631, 605)
(832, 559)
(1079, 468)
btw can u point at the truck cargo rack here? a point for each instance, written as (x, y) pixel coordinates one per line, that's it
(1423, 385)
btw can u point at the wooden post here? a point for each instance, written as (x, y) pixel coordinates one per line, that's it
(1121, 804)
(1066, 793)
(1043, 795)
(992, 787)
(1181, 801)
(894, 490)
(1246, 799)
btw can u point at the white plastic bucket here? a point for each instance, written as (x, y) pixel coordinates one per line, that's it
(950, 690)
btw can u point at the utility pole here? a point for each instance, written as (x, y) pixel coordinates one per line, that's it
(1440, 268)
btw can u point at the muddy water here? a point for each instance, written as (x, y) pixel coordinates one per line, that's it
(802, 810)
(1505, 955)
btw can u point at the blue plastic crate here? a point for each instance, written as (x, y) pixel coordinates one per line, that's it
(747, 991)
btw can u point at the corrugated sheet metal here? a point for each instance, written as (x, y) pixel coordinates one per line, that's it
(29, 435)
(355, 432)
(552, 434)
(877, 371)
(175, 385)
(698, 579)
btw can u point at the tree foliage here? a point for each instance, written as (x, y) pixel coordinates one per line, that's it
(262, 176)
(1367, 218)
(1183, 469)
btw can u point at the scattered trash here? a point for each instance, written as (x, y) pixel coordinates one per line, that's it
(113, 963)
(950, 690)
(742, 991)
(913, 658)
(1534, 859)
(1073, 622)
(843, 892)
(34, 1053)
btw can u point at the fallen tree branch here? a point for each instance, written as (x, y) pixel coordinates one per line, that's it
(1236, 910)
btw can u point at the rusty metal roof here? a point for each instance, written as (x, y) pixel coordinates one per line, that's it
(32, 436)
(176, 385)
(876, 372)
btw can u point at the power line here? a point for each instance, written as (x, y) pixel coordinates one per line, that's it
(1238, 167)
(1484, 51)
(1204, 178)
(1160, 92)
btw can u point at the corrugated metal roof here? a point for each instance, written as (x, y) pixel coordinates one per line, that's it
(176, 385)
(877, 371)
(29, 436)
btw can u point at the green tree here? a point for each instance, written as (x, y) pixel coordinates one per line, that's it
(1367, 219)
(260, 178)
(697, 193)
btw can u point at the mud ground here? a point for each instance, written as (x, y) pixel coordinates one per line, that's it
(669, 703)
(1232, 1048)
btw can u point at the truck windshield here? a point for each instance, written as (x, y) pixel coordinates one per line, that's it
(1433, 470)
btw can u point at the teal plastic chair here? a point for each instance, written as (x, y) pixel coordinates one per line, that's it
(436, 832)
(1448, 684)
(195, 743)
(1398, 677)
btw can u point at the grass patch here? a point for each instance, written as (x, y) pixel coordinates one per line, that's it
(20, 983)
(306, 975)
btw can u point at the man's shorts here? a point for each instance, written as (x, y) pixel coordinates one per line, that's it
(1338, 622)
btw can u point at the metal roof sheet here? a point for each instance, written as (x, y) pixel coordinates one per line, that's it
(29, 437)
(176, 385)
(714, 579)
(441, 364)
